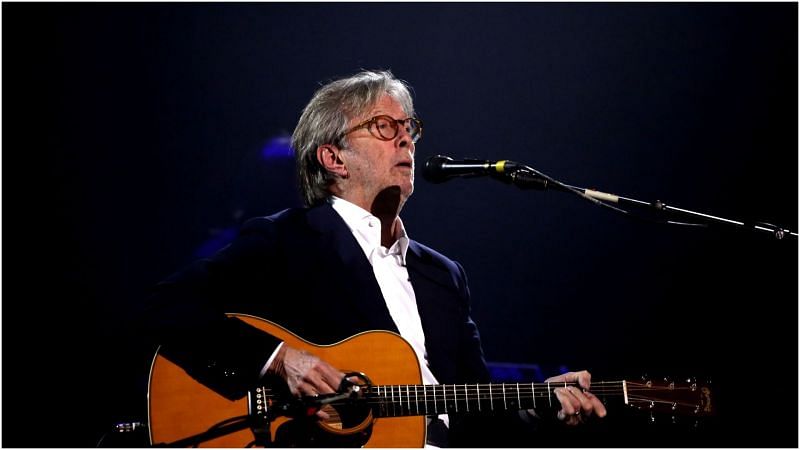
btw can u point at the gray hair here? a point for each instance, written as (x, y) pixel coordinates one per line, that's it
(326, 117)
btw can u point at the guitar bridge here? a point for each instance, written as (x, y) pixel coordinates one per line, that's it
(259, 406)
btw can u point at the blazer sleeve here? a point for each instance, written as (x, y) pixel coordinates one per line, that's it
(186, 313)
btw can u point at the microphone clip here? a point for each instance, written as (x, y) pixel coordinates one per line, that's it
(522, 178)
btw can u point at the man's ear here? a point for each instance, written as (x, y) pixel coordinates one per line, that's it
(330, 157)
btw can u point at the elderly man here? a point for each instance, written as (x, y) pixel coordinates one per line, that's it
(341, 266)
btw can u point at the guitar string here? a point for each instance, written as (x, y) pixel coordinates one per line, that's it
(498, 390)
(496, 393)
(492, 390)
(403, 407)
(404, 403)
(399, 409)
(597, 386)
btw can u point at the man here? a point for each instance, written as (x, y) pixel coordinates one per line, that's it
(347, 262)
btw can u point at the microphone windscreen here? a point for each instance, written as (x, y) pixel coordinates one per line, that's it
(432, 171)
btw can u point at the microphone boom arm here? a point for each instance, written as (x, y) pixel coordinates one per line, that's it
(525, 177)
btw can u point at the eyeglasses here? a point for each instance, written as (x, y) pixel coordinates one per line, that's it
(385, 128)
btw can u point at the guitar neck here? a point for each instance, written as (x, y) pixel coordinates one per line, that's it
(414, 400)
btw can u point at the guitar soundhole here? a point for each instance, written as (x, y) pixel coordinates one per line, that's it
(312, 434)
(346, 417)
(348, 425)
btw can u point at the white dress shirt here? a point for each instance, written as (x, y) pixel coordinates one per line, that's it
(389, 266)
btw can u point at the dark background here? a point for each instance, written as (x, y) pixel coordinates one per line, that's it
(134, 135)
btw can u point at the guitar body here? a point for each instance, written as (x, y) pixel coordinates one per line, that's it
(180, 407)
(385, 408)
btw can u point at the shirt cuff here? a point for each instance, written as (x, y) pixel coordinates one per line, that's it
(269, 361)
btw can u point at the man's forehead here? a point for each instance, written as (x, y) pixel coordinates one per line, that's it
(385, 105)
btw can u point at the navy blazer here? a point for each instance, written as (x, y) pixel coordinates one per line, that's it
(303, 269)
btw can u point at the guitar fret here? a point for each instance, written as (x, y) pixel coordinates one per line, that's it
(443, 395)
(425, 394)
(408, 400)
(383, 401)
(455, 397)
(448, 407)
(394, 406)
(505, 404)
(466, 397)
(549, 399)
(435, 405)
(533, 390)
(403, 410)
(478, 390)
(519, 401)
(401, 400)
(416, 398)
(380, 399)
(491, 397)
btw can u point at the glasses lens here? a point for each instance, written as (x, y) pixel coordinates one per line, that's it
(386, 127)
(412, 127)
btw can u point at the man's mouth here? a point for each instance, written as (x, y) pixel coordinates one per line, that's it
(405, 164)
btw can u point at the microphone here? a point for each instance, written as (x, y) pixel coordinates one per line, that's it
(439, 169)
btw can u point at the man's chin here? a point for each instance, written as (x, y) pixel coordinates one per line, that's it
(405, 192)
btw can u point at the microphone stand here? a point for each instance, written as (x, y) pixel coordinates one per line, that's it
(525, 177)
(231, 426)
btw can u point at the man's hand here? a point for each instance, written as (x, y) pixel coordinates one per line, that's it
(576, 403)
(305, 374)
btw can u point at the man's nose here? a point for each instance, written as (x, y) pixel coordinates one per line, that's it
(404, 136)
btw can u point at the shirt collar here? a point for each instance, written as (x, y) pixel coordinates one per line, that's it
(357, 219)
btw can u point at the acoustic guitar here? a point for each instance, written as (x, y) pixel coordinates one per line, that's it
(385, 406)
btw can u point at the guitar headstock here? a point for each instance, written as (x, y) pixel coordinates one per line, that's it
(686, 397)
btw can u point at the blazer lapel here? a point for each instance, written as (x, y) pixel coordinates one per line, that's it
(421, 264)
(438, 306)
(359, 289)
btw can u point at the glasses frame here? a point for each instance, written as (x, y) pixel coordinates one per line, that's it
(377, 135)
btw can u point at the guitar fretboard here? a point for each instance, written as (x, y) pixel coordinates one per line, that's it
(410, 400)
